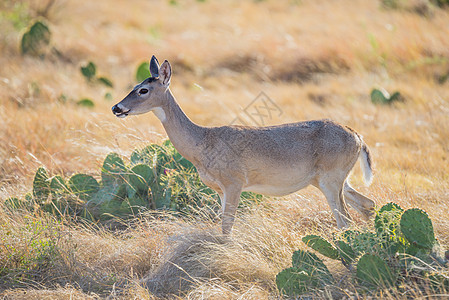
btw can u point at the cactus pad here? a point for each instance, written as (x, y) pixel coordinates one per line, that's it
(312, 264)
(374, 271)
(107, 201)
(140, 178)
(321, 245)
(133, 205)
(387, 218)
(417, 228)
(57, 185)
(82, 185)
(346, 253)
(180, 160)
(35, 39)
(294, 281)
(113, 170)
(161, 197)
(89, 71)
(391, 206)
(41, 185)
(383, 97)
(364, 242)
(150, 155)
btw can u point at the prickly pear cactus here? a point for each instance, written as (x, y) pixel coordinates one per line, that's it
(143, 71)
(312, 264)
(417, 228)
(374, 271)
(177, 157)
(388, 214)
(161, 157)
(364, 242)
(57, 186)
(35, 39)
(83, 186)
(112, 206)
(161, 197)
(346, 253)
(350, 235)
(89, 71)
(113, 170)
(140, 178)
(294, 282)
(383, 97)
(137, 202)
(107, 202)
(150, 155)
(321, 245)
(41, 185)
(133, 205)
(384, 216)
(387, 228)
(180, 160)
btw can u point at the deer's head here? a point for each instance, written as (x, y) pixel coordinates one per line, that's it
(149, 94)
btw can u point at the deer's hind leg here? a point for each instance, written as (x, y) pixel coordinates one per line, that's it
(333, 190)
(364, 205)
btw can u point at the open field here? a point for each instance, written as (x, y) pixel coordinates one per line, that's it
(314, 59)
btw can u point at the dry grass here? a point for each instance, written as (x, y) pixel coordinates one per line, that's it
(315, 59)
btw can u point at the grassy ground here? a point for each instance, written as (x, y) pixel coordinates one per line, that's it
(315, 59)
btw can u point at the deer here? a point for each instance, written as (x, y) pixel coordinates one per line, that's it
(271, 160)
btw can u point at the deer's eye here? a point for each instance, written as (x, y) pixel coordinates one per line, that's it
(143, 91)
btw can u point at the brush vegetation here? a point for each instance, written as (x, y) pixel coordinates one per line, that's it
(64, 63)
(400, 248)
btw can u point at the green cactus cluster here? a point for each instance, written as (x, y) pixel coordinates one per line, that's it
(35, 39)
(89, 71)
(401, 243)
(157, 177)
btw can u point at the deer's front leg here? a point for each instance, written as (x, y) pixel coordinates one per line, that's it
(230, 202)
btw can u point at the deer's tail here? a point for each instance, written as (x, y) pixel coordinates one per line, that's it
(366, 163)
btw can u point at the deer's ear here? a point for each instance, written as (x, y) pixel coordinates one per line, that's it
(165, 73)
(154, 67)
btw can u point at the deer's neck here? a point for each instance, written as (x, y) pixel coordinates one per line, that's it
(185, 135)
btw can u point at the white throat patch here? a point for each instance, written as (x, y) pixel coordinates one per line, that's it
(160, 114)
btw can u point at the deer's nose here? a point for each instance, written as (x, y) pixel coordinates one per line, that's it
(116, 109)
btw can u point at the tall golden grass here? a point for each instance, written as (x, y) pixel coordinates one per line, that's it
(315, 59)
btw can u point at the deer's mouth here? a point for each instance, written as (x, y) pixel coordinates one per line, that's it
(122, 114)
